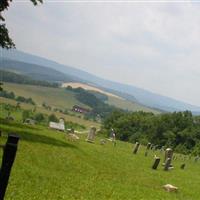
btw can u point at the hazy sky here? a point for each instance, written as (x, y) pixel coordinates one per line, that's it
(153, 45)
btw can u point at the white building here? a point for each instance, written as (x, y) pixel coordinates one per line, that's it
(58, 126)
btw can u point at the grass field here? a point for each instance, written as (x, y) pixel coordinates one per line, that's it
(89, 87)
(55, 97)
(50, 167)
(64, 99)
(128, 105)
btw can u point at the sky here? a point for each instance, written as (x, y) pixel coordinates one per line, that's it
(153, 45)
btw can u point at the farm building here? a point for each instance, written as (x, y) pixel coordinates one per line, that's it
(58, 126)
(80, 109)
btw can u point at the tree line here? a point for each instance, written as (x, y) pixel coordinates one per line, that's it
(7, 76)
(11, 95)
(178, 130)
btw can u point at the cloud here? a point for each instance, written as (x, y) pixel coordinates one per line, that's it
(151, 45)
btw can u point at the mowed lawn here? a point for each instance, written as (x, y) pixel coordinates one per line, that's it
(50, 167)
(56, 97)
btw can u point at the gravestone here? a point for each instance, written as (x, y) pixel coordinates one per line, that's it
(147, 149)
(91, 135)
(156, 163)
(113, 137)
(167, 164)
(135, 150)
(183, 166)
(168, 154)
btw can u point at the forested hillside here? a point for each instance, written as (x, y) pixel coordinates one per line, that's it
(7, 76)
(179, 130)
(35, 71)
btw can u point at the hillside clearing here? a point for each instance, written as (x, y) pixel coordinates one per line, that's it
(89, 87)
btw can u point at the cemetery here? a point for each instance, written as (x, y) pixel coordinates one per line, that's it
(127, 169)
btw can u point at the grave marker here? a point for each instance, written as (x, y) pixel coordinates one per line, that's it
(168, 154)
(147, 149)
(135, 150)
(91, 135)
(156, 163)
(167, 164)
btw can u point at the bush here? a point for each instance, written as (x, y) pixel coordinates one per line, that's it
(39, 117)
(52, 118)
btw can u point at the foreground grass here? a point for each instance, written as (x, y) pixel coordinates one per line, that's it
(48, 166)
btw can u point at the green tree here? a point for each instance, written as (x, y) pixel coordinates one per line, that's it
(5, 40)
(52, 118)
(39, 117)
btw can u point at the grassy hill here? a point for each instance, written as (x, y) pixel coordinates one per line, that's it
(56, 97)
(48, 166)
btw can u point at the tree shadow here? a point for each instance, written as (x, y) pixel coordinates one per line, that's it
(29, 133)
(37, 138)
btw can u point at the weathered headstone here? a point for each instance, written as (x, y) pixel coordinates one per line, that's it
(136, 147)
(156, 163)
(183, 166)
(168, 154)
(167, 164)
(91, 135)
(147, 149)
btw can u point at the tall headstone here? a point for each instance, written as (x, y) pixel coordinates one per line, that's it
(147, 149)
(91, 135)
(168, 154)
(156, 163)
(167, 164)
(136, 147)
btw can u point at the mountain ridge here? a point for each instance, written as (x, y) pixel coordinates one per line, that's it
(142, 96)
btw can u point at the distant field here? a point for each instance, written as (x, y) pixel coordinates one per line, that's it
(128, 105)
(56, 97)
(74, 119)
(49, 167)
(89, 87)
(114, 99)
